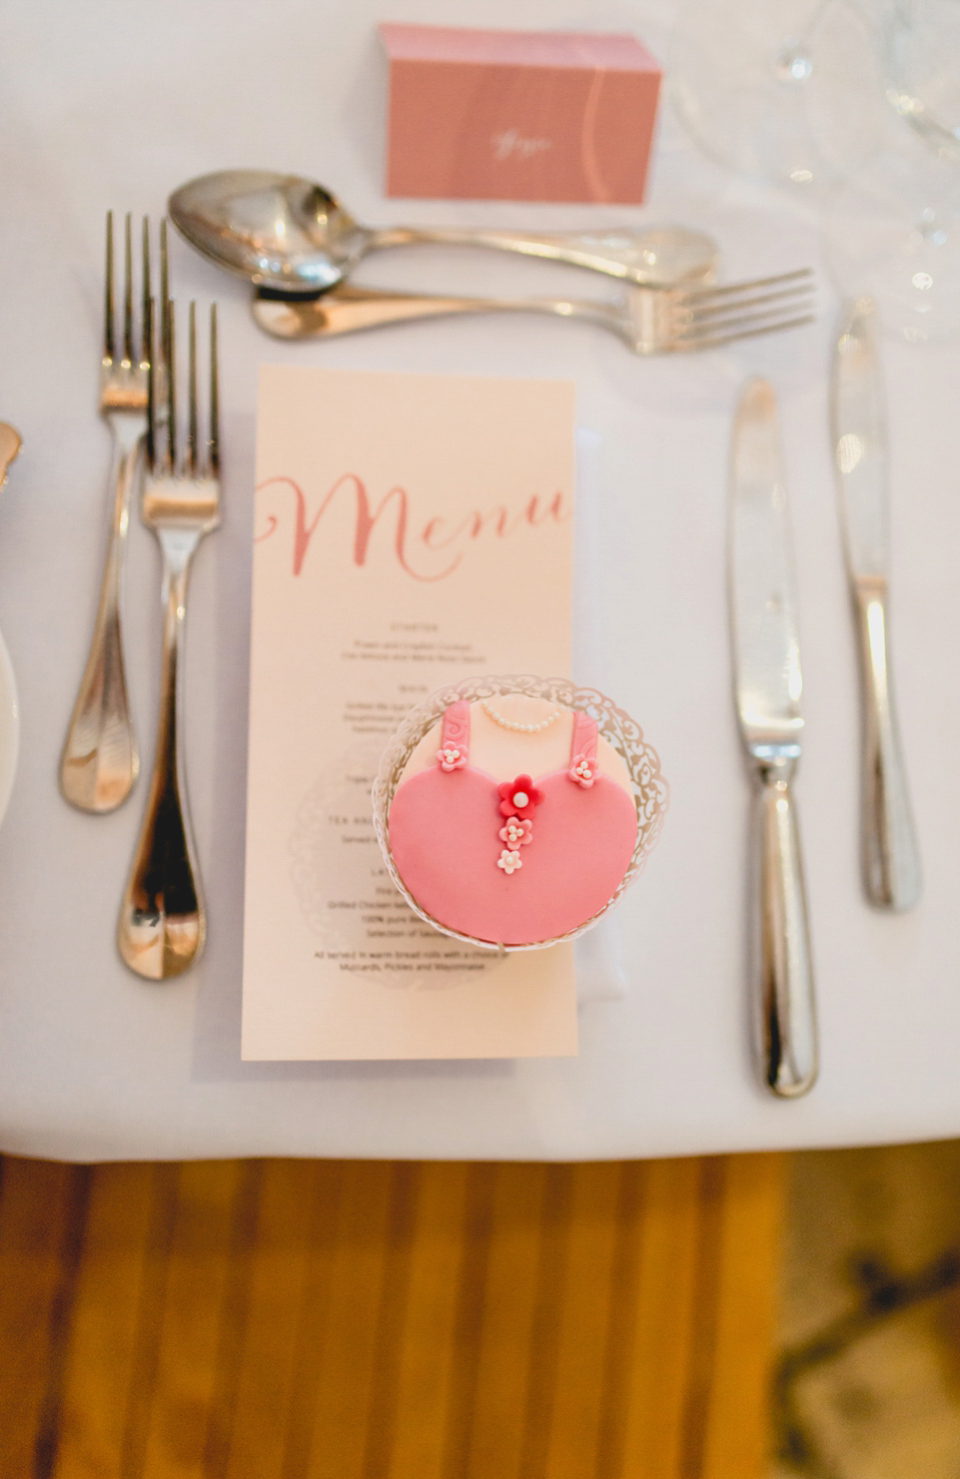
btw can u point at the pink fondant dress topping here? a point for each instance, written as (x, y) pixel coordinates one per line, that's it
(456, 835)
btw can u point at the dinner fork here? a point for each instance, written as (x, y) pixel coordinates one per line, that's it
(99, 762)
(162, 923)
(648, 320)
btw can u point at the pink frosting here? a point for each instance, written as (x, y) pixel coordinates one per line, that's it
(445, 836)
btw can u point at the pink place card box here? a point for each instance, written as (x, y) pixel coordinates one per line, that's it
(518, 115)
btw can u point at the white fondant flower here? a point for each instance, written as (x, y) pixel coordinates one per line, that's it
(451, 758)
(583, 771)
(516, 833)
(509, 861)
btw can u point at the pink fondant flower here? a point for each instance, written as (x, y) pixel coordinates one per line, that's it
(583, 771)
(516, 833)
(519, 798)
(451, 758)
(509, 861)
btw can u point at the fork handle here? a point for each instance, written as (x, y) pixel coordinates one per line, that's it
(99, 762)
(346, 309)
(162, 918)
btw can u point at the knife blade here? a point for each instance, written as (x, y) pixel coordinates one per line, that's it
(768, 684)
(889, 849)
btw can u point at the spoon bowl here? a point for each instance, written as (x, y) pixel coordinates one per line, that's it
(291, 236)
(278, 231)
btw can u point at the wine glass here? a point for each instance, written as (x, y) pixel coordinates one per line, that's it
(894, 232)
(788, 91)
(923, 71)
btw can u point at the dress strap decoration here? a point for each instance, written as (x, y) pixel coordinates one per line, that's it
(454, 750)
(583, 750)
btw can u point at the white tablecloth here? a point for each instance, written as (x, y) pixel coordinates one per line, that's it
(113, 104)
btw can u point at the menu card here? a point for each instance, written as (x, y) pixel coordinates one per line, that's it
(410, 531)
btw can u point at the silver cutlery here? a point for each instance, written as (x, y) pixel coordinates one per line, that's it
(649, 321)
(890, 853)
(289, 234)
(768, 683)
(162, 923)
(99, 762)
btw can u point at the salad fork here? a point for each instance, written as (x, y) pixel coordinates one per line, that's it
(162, 923)
(648, 320)
(99, 762)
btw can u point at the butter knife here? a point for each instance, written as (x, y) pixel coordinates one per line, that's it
(891, 856)
(766, 649)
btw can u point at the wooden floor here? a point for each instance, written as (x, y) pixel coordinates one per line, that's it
(364, 1320)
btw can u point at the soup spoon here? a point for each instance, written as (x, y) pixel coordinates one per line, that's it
(292, 236)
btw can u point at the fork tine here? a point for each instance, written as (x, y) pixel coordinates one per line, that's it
(127, 291)
(146, 354)
(773, 328)
(709, 339)
(108, 343)
(700, 331)
(192, 395)
(170, 364)
(166, 389)
(800, 294)
(148, 336)
(214, 396)
(692, 297)
(164, 266)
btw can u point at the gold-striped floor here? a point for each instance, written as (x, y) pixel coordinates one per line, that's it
(368, 1320)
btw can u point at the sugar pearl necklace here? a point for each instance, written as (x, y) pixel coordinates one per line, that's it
(512, 724)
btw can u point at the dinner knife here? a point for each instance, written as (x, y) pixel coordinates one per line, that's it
(766, 650)
(891, 856)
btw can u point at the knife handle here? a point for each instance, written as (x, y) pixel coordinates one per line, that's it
(787, 995)
(892, 875)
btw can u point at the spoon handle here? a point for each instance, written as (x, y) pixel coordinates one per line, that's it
(654, 257)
